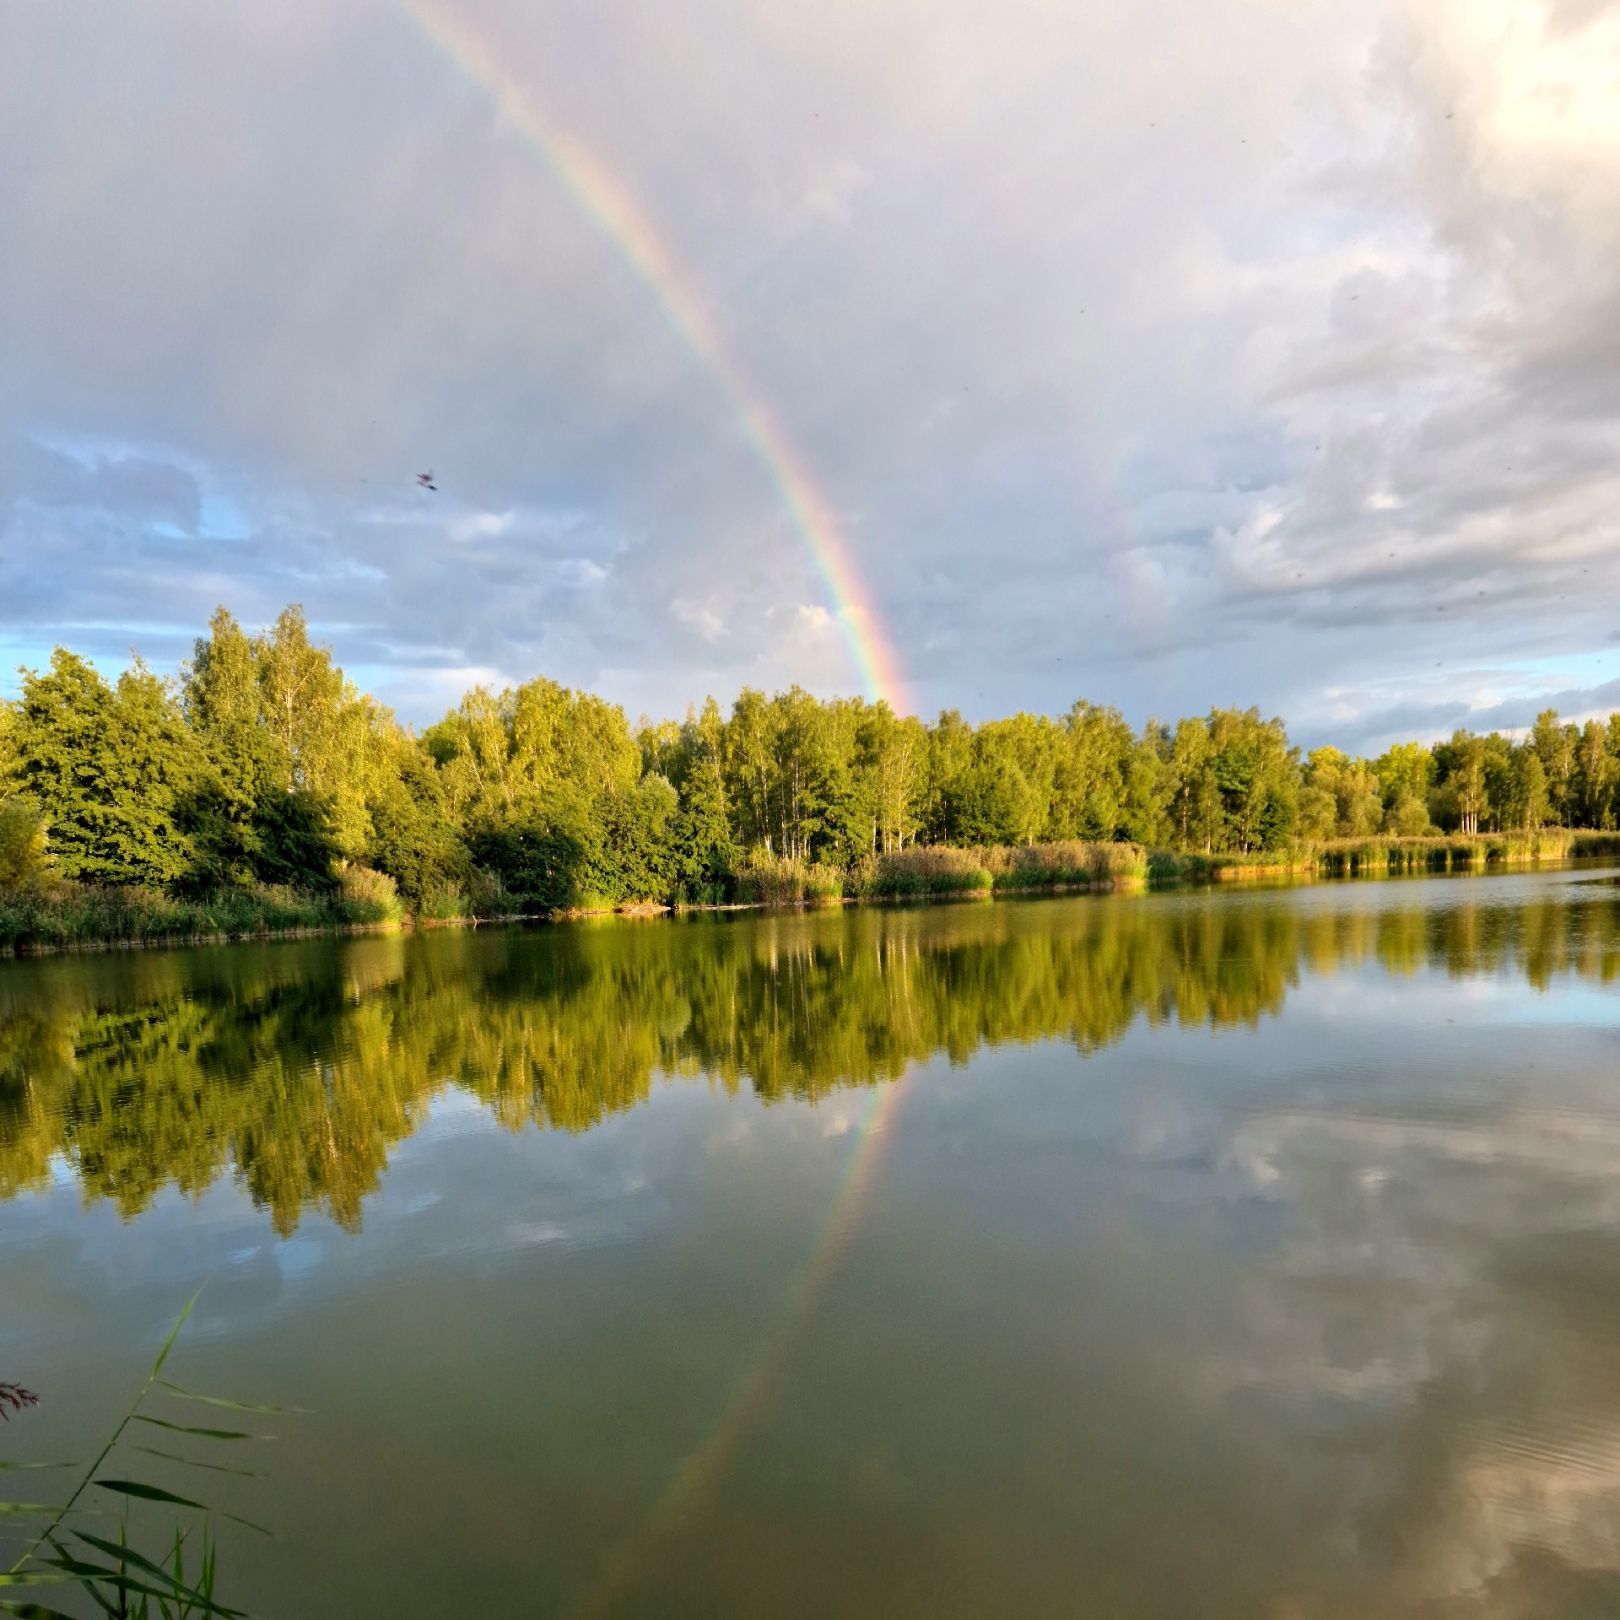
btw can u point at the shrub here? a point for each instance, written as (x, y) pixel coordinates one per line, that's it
(443, 904)
(366, 895)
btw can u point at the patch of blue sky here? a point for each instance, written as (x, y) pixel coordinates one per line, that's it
(32, 650)
(92, 451)
(219, 517)
(1589, 666)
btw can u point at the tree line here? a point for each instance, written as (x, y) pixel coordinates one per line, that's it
(261, 764)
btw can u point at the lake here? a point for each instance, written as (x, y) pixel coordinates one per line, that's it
(1249, 1253)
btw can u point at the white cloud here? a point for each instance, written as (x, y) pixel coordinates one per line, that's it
(480, 525)
(698, 617)
(1135, 392)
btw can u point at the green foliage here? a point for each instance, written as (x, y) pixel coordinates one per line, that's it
(25, 860)
(108, 767)
(69, 915)
(263, 770)
(924, 871)
(366, 895)
(67, 1549)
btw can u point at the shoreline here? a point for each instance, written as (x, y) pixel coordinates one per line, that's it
(1455, 858)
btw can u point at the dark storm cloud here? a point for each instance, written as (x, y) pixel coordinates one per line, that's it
(1124, 369)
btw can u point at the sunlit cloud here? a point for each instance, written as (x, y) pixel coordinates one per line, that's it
(1283, 371)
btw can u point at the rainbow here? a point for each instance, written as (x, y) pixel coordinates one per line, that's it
(698, 1471)
(610, 205)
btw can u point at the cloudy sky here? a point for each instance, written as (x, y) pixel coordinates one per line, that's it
(1170, 354)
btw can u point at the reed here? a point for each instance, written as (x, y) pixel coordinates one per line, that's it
(922, 872)
(64, 1550)
(1067, 864)
(71, 916)
(1595, 845)
(1379, 856)
(783, 880)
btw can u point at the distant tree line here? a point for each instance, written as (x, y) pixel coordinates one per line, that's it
(261, 764)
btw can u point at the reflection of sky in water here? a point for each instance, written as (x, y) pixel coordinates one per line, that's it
(1306, 1309)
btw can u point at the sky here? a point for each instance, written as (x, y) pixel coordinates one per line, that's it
(1167, 355)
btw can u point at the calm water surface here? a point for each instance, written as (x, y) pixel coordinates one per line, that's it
(1250, 1254)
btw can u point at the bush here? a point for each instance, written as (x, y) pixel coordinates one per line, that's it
(782, 880)
(488, 896)
(695, 892)
(366, 895)
(442, 904)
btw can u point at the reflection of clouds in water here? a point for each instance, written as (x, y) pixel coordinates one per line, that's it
(1464, 1370)
(298, 1256)
(531, 1234)
(733, 1133)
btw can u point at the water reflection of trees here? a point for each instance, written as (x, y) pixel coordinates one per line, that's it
(301, 1066)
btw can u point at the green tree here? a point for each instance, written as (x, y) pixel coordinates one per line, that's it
(25, 860)
(1556, 747)
(1596, 772)
(108, 768)
(1459, 798)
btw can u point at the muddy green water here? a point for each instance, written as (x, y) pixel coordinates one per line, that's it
(1248, 1254)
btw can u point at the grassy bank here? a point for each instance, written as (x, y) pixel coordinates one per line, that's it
(939, 871)
(1384, 856)
(931, 872)
(69, 916)
(72, 916)
(1595, 845)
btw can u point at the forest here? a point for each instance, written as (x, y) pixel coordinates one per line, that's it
(260, 785)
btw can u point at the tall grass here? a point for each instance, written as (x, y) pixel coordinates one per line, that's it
(920, 872)
(71, 915)
(1367, 856)
(65, 1548)
(938, 870)
(1374, 857)
(782, 880)
(1071, 863)
(1595, 844)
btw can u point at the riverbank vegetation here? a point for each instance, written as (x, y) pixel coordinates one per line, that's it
(261, 791)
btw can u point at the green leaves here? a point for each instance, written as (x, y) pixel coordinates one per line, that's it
(217, 1400)
(173, 1580)
(173, 1589)
(192, 1462)
(129, 1574)
(149, 1493)
(174, 1333)
(191, 1428)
